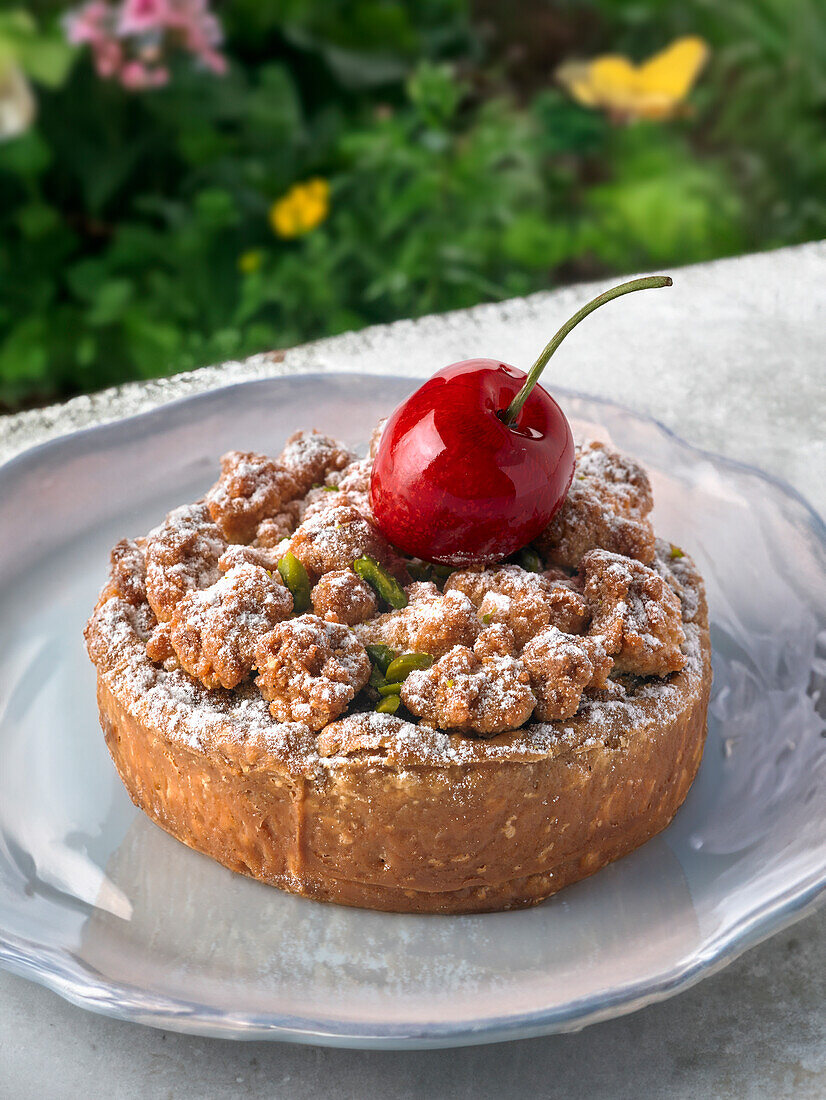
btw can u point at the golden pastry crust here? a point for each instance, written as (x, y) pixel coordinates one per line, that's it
(292, 777)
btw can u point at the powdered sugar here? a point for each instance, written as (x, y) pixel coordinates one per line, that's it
(177, 706)
(215, 631)
(182, 554)
(461, 691)
(311, 456)
(431, 623)
(318, 677)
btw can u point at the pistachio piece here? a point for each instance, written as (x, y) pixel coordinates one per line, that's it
(387, 588)
(400, 668)
(295, 576)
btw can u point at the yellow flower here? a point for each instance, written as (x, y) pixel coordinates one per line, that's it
(654, 89)
(251, 261)
(305, 206)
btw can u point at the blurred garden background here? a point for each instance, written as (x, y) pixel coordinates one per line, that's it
(183, 182)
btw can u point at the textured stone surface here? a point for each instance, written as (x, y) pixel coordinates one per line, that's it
(755, 1030)
(731, 358)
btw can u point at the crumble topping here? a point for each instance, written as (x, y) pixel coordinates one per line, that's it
(311, 456)
(607, 507)
(251, 486)
(615, 477)
(354, 478)
(349, 487)
(310, 669)
(335, 537)
(274, 529)
(127, 571)
(607, 618)
(431, 623)
(462, 691)
(561, 667)
(635, 613)
(495, 641)
(526, 602)
(375, 438)
(237, 553)
(181, 555)
(215, 631)
(159, 646)
(342, 597)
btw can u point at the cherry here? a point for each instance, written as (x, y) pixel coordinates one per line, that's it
(478, 460)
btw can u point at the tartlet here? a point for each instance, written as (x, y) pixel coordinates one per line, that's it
(558, 726)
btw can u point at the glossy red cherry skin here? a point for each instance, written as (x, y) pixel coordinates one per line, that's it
(453, 484)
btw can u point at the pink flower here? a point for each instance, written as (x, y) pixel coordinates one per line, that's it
(108, 58)
(87, 23)
(137, 77)
(137, 16)
(214, 61)
(131, 40)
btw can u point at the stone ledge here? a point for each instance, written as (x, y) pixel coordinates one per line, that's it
(731, 358)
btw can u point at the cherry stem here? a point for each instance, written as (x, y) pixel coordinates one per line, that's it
(651, 281)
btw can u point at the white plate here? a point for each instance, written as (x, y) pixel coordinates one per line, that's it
(103, 907)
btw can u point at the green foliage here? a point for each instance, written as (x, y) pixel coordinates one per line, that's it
(761, 106)
(45, 56)
(771, 76)
(135, 229)
(662, 207)
(363, 44)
